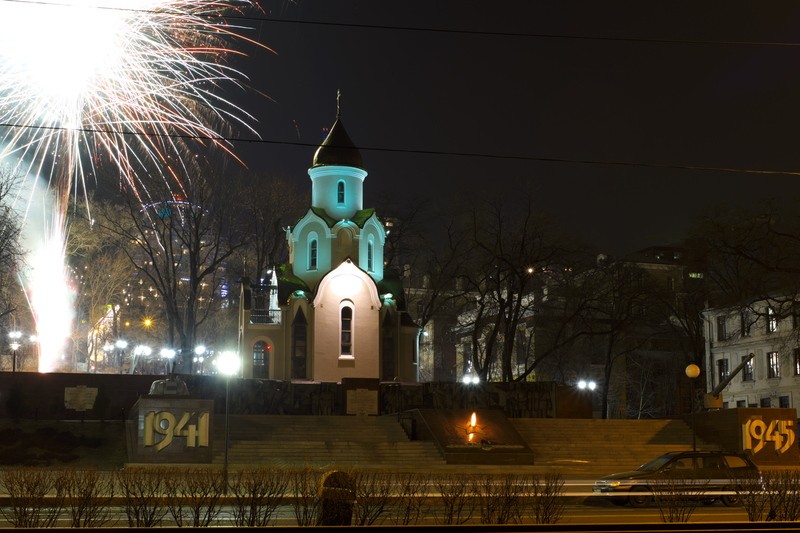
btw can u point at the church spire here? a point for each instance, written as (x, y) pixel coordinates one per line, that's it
(337, 148)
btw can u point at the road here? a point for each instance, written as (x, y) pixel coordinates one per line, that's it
(599, 510)
(585, 507)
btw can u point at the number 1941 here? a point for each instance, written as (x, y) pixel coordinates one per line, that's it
(167, 426)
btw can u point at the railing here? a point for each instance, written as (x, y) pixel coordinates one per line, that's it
(263, 316)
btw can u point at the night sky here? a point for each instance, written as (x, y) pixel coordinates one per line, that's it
(620, 115)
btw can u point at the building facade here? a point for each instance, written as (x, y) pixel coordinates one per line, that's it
(330, 313)
(771, 377)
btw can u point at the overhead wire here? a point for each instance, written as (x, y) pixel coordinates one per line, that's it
(251, 18)
(234, 140)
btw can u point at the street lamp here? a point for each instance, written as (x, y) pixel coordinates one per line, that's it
(692, 371)
(228, 364)
(142, 351)
(470, 379)
(108, 349)
(169, 355)
(120, 345)
(14, 345)
(199, 352)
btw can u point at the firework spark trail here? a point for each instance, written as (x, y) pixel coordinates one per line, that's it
(128, 83)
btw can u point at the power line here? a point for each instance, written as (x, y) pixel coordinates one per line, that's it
(521, 34)
(442, 30)
(445, 153)
(232, 140)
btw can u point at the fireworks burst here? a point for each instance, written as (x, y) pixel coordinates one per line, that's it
(123, 82)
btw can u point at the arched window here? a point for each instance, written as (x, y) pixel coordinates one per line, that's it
(312, 254)
(370, 254)
(346, 329)
(261, 360)
(340, 192)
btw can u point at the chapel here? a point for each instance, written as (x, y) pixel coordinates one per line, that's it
(331, 312)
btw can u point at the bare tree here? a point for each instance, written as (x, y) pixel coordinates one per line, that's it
(103, 273)
(752, 256)
(512, 251)
(268, 205)
(181, 244)
(643, 399)
(431, 269)
(11, 251)
(617, 319)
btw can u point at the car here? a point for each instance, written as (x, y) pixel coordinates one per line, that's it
(694, 472)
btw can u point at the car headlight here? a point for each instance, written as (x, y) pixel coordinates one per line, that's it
(607, 484)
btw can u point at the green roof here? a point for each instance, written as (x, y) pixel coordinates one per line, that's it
(288, 283)
(359, 218)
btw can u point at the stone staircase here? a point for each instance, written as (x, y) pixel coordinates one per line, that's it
(322, 441)
(380, 443)
(616, 444)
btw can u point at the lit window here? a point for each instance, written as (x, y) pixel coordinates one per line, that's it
(796, 361)
(340, 192)
(772, 320)
(773, 365)
(747, 371)
(261, 360)
(312, 254)
(722, 369)
(346, 328)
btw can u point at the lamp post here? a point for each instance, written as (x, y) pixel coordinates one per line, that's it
(199, 352)
(169, 355)
(108, 350)
(142, 351)
(468, 380)
(228, 364)
(14, 345)
(587, 388)
(692, 371)
(120, 345)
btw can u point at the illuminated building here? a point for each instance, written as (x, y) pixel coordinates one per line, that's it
(330, 313)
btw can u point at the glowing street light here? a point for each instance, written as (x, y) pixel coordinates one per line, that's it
(168, 354)
(120, 345)
(692, 371)
(141, 351)
(14, 345)
(228, 364)
(584, 385)
(108, 348)
(199, 352)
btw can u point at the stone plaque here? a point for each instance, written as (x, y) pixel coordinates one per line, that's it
(362, 402)
(171, 429)
(80, 398)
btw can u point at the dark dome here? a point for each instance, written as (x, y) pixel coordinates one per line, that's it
(338, 149)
